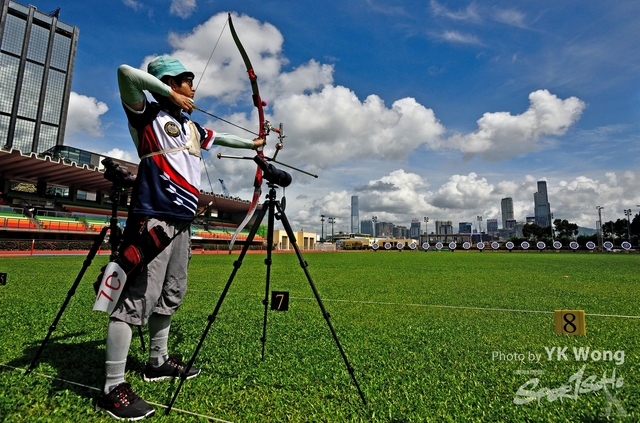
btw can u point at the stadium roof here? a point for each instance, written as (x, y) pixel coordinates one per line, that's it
(16, 166)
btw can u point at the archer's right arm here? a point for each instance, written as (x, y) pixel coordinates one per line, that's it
(132, 82)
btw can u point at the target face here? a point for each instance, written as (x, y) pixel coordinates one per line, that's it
(557, 245)
(524, 245)
(439, 245)
(495, 245)
(480, 246)
(541, 245)
(466, 245)
(574, 245)
(509, 245)
(591, 245)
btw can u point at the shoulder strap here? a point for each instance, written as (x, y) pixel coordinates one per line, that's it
(193, 145)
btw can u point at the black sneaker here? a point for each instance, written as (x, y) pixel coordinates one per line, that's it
(123, 403)
(171, 368)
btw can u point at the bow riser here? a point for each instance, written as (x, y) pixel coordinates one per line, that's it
(257, 102)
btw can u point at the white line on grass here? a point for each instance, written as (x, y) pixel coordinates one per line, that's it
(98, 389)
(439, 306)
(465, 307)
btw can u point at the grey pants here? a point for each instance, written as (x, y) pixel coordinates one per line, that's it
(161, 286)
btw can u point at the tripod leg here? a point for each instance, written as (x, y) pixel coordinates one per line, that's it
(325, 314)
(267, 262)
(212, 316)
(92, 253)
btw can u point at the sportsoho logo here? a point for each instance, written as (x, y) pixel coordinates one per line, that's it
(578, 383)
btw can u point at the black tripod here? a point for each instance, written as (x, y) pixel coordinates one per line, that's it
(275, 210)
(117, 197)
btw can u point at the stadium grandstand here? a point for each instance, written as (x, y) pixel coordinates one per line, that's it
(62, 194)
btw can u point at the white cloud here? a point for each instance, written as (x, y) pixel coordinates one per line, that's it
(335, 126)
(458, 37)
(501, 135)
(84, 115)
(470, 13)
(123, 155)
(463, 192)
(510, 17)
(135, 5)
(182, 8)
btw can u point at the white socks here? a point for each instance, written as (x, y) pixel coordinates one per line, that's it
(159, 326)
(118, 342)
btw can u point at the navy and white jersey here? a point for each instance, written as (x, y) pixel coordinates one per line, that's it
(167, 184)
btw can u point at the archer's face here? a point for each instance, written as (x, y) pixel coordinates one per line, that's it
(183, 86)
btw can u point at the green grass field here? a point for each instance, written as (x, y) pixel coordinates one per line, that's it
(433, 337)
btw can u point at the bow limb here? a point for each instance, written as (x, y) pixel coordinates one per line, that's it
(257, 101)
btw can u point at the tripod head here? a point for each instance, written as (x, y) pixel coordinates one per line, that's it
(121, 179)
(119, 176)
(273, 174)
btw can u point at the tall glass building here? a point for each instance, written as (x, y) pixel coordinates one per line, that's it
(37, 54)
(355, 215)
(506, 205)
(542, 206)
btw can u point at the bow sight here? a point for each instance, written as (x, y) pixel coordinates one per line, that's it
(270, 172)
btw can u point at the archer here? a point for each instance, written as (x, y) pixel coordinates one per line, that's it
(165, 194)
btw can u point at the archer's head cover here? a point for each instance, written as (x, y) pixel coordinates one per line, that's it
(166, 66)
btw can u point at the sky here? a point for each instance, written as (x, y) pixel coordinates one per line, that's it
(433, 109)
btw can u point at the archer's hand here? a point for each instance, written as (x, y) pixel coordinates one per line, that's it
(258, 142)
(182, 101)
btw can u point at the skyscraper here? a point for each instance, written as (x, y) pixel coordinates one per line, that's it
(355, 216)
(507, 211)
(444, 227)
(415, 229)
(464, 227)
(366, 227)
(492, 226)
(542, 206)
(37, 54)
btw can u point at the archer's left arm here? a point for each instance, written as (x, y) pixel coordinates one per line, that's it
(233, 141)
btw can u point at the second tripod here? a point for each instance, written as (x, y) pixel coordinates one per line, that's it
(115, 238)
(275, 210)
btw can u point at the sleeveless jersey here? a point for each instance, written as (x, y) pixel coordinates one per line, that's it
(168, 184)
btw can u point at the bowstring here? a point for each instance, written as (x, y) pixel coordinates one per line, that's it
(204, 162)
(226, 22)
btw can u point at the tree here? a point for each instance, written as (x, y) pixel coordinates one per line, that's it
(617, 229)
(533, 231)
(564, 229)
(635, 225)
